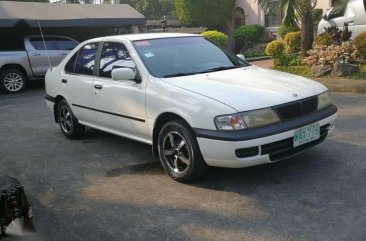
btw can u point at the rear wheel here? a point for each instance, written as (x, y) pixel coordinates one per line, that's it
(69, 124)
(12, 81)
(179, 152)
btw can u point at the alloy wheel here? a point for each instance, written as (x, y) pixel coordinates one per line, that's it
(13, 82)
(176, 153)
(65, 119)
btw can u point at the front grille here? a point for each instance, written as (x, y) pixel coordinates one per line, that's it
(247, 152)
(299, 108)
(282, 149)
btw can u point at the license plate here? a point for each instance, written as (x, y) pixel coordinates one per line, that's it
(306, 134)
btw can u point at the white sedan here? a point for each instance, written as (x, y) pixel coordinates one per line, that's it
(196, 103)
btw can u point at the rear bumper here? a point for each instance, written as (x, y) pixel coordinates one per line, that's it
(261, 145)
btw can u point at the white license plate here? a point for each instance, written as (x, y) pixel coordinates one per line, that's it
(306, 134)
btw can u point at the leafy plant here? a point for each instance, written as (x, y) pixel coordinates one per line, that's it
(212, 14)
(337, 35)
(329, 55)
(285, 29)
(317, 15)
(276, 49)
(289, 60)
(323, 39)
(216, 36)
(360, 44)
(302, 70)
(293, 42)
(256, 51)
(247, 35)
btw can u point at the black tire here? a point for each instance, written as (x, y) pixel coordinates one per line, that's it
(13, 204)
(181, 158)
(69, 125)
(12, 81)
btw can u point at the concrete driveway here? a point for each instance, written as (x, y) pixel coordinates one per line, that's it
(105, 187)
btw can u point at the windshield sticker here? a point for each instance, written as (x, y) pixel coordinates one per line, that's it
(142, 43)
(149, 55)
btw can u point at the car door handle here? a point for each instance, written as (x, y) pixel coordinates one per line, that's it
(98, 87)
(63, 54)
(36, 54)
(64, 81)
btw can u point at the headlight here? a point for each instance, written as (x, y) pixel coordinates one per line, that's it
(249, 119)
(324, 100)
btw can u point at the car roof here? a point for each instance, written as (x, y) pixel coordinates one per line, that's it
(144, 36)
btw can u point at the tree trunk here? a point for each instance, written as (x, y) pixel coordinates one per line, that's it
(307, 29)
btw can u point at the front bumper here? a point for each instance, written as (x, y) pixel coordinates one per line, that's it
(268, 144)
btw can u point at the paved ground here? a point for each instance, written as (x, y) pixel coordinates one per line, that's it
(105, 187)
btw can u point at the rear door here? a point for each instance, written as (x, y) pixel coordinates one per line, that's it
(41, 52)
(64, 46)
(77, 81)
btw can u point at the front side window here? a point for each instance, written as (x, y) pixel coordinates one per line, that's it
(114, 55)
(85, 61)
(274, 16)
(171, 57)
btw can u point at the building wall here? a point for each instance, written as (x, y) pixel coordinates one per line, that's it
(255, 15)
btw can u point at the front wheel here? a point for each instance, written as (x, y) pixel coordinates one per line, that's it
(179, 152)
(69, 125)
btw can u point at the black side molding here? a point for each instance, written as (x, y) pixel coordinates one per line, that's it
(50, 98)
(110, 113)
(264, 131)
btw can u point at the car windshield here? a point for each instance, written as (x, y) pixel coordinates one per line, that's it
(173, 57)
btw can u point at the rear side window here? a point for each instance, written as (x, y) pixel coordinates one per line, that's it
(85, 61)
(70, 66)
(65, 44)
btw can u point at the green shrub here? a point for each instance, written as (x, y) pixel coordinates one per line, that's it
(276, 49)
(317, 15)
(323, 39)
(360, 44)
(284, 29)
(302, 70)
(247, 35)
(293, 42)
(216, 36)
(289, 60)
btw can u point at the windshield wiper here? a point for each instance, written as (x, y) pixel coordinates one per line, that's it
(179, 74)
(220, 68)
(201, 72)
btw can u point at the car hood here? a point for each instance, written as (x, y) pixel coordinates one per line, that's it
(249, 88)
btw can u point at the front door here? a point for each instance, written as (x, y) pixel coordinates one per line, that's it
(119, 105)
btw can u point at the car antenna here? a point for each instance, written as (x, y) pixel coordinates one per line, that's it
(44, 43)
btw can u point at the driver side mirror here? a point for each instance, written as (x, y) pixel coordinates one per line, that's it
(124, 74)
(325, 17)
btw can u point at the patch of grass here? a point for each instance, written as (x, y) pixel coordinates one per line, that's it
(361, 75)
(301, 70)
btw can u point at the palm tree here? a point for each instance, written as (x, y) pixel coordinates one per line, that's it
(294, 8)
